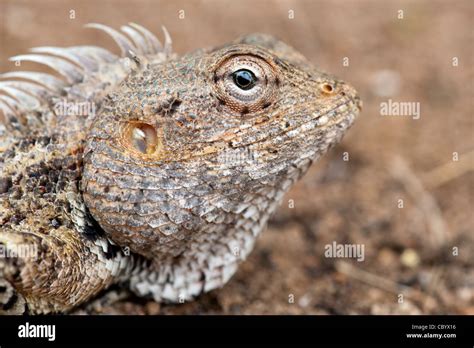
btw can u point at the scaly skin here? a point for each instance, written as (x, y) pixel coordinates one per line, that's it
(165, 187)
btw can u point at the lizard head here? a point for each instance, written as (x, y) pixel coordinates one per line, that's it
(187, 154)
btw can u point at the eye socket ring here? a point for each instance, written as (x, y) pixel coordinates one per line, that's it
(245, 83)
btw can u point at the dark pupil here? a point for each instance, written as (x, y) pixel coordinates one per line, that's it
(244, 79)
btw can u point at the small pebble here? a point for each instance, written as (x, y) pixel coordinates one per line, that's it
(410, 258)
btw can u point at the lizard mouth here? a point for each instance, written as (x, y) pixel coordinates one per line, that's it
(359, 103)
(347, 110)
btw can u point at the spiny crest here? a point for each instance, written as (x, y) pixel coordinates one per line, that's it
(23, 91)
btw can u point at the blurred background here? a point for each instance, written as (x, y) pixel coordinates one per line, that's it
(399, 186)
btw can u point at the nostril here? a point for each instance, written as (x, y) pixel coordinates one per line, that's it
(327, 88)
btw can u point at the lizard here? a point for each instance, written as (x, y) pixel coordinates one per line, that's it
(151, 171)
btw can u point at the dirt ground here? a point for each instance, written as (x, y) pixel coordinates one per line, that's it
(391, 186)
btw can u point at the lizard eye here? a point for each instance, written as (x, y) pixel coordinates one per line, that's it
(245, 83)
(244, 79)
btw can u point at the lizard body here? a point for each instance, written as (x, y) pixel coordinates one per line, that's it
(164, 185)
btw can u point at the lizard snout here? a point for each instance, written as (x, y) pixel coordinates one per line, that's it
(348, 90)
